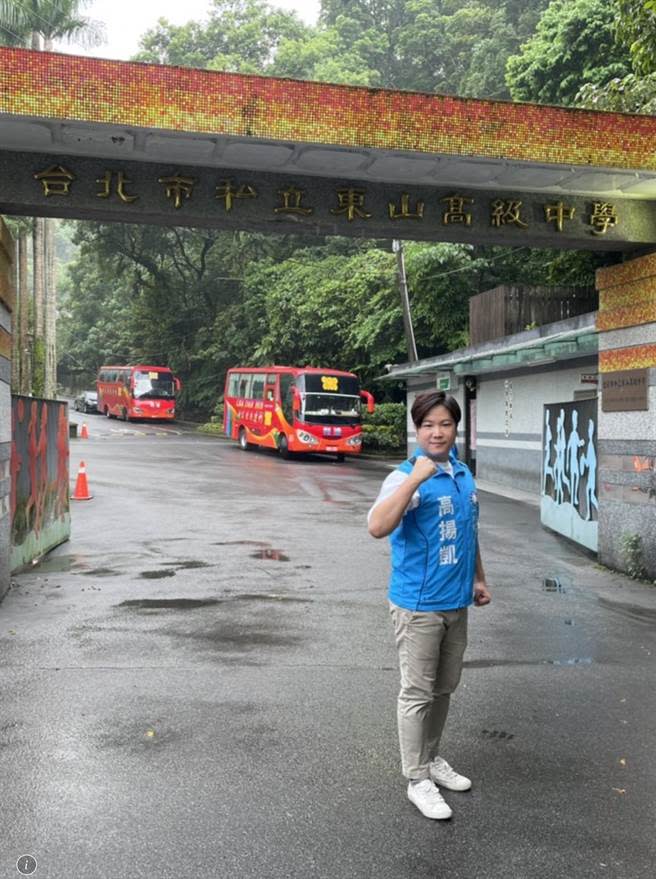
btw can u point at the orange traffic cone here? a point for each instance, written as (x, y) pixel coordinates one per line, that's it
(81, 492)
(84, 433)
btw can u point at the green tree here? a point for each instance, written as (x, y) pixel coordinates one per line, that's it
(450, 46)
(574, 44)
(636, 92)
(239, 35)
(636, 28)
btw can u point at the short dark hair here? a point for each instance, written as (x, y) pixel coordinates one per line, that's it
(429, 400)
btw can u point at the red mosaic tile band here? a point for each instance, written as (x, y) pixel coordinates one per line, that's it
(627, 272)
(637, 357)
(67, 87)
(627, 293)
(627, 305)
(630, 316)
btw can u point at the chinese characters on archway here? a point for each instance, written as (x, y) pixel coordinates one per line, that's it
(350, 203)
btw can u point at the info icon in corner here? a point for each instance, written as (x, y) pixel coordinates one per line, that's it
(26, 865)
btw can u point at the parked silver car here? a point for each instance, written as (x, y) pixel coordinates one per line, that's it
(87, 401)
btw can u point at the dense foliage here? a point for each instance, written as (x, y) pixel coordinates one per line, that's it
(573, 45)
(202, 301)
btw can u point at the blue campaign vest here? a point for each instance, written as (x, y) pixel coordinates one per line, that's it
(434, 546)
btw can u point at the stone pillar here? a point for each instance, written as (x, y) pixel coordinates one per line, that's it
(626, 322)
(6, 308)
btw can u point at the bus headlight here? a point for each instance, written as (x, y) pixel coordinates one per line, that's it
(355, 440)
(307, 438)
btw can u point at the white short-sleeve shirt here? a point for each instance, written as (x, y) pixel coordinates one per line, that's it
(397, 478)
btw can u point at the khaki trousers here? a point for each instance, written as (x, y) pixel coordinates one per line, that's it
(430, 647)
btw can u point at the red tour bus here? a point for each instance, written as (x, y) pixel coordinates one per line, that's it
(137, 392)
(295, 409)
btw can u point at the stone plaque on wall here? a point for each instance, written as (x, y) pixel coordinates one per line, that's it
(625, 391)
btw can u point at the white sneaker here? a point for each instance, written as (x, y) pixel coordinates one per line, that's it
(428, 799)
(445, 776)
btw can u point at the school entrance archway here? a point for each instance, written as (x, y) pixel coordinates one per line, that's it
(109, 140)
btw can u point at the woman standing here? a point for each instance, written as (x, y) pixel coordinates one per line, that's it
(429, 508)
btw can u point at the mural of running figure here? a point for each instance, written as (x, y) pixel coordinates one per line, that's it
(589, 463)
(572, 472)
(574, 443)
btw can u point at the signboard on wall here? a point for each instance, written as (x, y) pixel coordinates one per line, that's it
(444, 381)
(625, 390)
(568, 502)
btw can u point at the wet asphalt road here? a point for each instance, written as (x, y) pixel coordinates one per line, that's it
(202, 683)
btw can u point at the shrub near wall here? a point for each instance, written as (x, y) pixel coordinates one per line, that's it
(386, 429)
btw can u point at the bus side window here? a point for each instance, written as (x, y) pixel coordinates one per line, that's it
(257, 389)
(233, 387)
(270, 388)
(245, 385)
(286, 397)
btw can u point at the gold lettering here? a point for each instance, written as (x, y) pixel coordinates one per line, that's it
(558, 213)
(603, 217)
(455, 211)
(291, 202)
(403, 212)
(178, 188)
(228, 193)
(55, 180)
(351, 203)
(505, 213)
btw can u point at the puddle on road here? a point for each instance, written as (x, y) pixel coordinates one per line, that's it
(494, 663)
(100, 572)
(274, 555)
(61, 564)
(255, 596)
(188, 565)
(225, 636)
(162, 603)
(191, 603)
(156, 575)
(241, 543)
(553, 584)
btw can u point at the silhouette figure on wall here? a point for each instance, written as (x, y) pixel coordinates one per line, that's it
(560, 478)
(574, 443)
(589, 462)
(548, 436)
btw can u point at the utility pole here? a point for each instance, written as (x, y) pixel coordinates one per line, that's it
(397, 247)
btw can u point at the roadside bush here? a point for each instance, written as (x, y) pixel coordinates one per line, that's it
(217, 415)
(386, 429)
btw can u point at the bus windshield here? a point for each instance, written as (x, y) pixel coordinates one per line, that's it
(153, 385)
(331, 409)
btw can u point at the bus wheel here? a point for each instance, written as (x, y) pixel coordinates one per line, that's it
(243, 442)
(283, 447)
(124, 414)
(340, 457)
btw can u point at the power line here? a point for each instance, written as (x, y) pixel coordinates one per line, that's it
(470, 268)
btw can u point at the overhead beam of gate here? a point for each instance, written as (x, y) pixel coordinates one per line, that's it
(431, 147)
